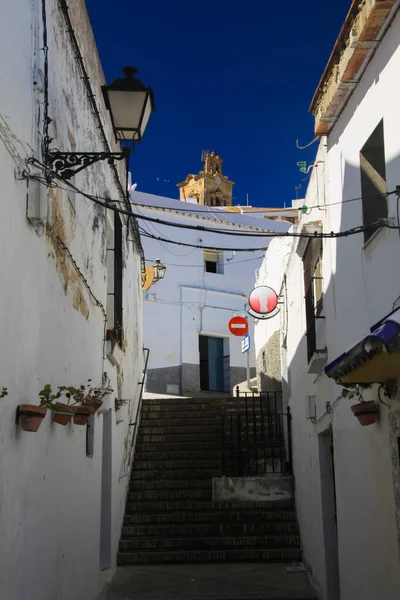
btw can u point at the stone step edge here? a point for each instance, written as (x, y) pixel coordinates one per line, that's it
(222, 542)
(274, 555)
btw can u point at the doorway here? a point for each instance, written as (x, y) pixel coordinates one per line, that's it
(329, 513)
(106, 497)
(212, 363)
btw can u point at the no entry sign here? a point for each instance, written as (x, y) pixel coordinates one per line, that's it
(263, 302)
(238, 326)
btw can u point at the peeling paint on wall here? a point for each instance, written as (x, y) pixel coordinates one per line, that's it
(71, 281)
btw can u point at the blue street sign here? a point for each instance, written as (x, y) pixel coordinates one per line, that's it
(246, 344)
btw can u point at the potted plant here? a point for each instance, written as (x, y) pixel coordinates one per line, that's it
(106, 394)
(29, 416)
(81, 416)
(120, 415)
(367, 413)
(90, 399)
(62, 412)
(3, 392)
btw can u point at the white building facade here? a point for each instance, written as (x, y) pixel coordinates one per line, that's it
(334, 292)
(63, 488)
(186, 314)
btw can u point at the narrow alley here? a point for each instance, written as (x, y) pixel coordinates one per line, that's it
(200, 300)
(176, 516)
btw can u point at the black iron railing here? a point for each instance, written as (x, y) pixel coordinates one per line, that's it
(256, 435)
(135, 423)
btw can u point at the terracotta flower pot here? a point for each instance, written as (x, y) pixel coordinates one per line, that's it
(81, 415)
(367, 413)
(63, 413)
(93, 404)
(31, 416)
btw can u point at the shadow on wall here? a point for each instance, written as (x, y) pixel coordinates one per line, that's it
(361, 289)
(269, 365)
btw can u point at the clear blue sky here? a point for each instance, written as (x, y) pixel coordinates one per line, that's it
(236, 76)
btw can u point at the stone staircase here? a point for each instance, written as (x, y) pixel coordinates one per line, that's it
(170, 515)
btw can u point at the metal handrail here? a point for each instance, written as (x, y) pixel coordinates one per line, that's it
(134, 424)
(256, 438)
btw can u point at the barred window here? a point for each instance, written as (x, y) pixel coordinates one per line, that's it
(313, 287)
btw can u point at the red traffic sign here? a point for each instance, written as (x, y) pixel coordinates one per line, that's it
(238, 326)
(263, 302)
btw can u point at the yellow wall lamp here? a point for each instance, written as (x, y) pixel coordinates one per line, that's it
(152, 274)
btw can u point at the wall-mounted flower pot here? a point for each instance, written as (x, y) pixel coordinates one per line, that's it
(63, 413)
(30, 416)
(121, 413)
(108, 402)
(367, 413)
(81, 416)
(93, 404)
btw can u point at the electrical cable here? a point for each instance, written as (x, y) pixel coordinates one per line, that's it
(92, 99)
(223, 212)
(165, 248)
(202, 266)
(307, 145)
(269, 234)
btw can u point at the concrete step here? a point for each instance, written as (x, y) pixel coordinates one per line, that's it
(194, 458)
(159, 473)
(261, 427)
(282, 540)
(180, 422)
(151, 445)
(170, 495)
(186, 505)
(178, 464)
(180, 430)
(209, 529)
(177, 438)
(205, 556)
(212, 439)
(170, 484)
(185, 403)
(149, 416)
(234, 517)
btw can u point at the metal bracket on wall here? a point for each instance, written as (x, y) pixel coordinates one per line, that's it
(67, 164)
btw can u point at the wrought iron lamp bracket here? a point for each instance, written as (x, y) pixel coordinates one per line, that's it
(68, 164)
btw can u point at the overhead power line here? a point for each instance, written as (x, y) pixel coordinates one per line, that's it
(265, 234)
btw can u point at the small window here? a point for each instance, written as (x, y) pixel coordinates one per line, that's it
(373, 179)
(313, 287)
(212, 262)
(211, 266)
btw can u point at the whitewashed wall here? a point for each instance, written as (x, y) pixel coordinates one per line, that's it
(360, 287)
(190, 301)
(267, 332)
(50, 327)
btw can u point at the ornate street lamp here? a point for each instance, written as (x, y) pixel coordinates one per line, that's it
(159, 270)
(130, 104)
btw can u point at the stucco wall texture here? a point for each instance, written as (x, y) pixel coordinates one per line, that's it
(54, 512)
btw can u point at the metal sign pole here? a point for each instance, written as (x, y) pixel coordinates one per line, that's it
(248, 370)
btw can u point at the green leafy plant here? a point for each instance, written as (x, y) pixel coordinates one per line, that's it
(84, 394)
(47, 397)
(3, 392)
(120, 402)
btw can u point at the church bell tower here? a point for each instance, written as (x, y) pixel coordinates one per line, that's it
(209, 187)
